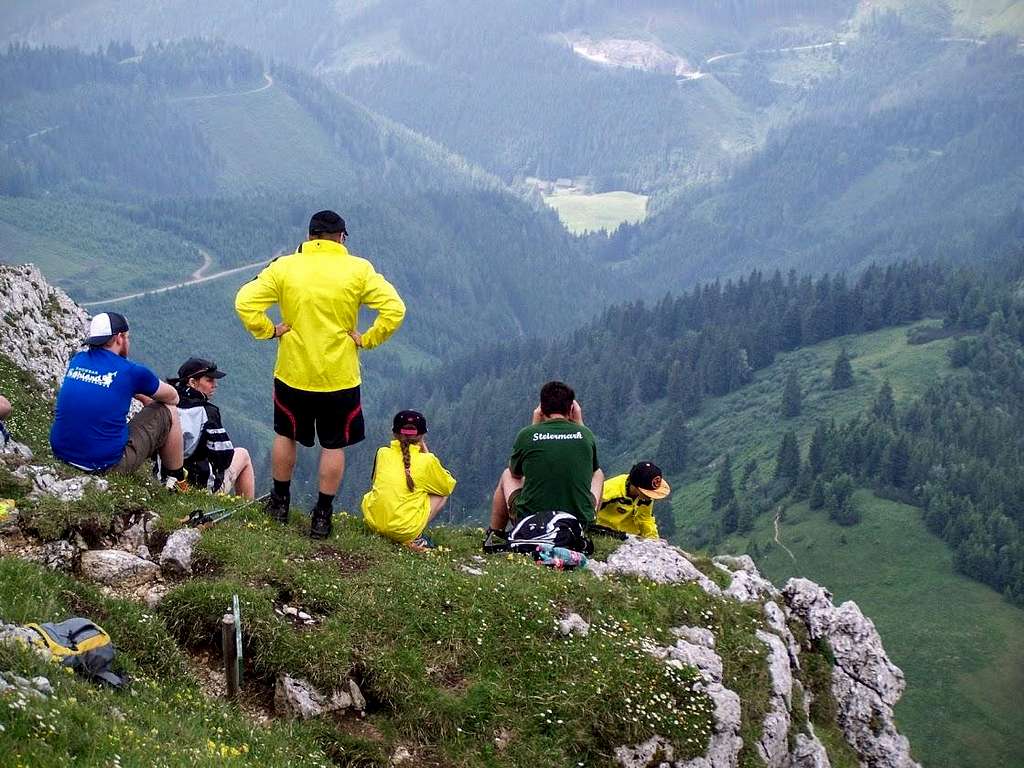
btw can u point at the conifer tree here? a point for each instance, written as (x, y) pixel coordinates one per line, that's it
(817, 454)
(724, 490)
(839, 501)
(730, 517)
(674, 446)
(884, 407)
(896, 462)
(791, 396)
(842, 371)
(787, 459)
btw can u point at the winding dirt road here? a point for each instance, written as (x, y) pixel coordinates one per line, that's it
(778, 514)
(192, 281)
(268, 82)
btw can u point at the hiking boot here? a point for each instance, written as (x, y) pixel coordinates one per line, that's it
(277, 507)
(421, 543)
(495, 541)
(320, 526)
(174, 485)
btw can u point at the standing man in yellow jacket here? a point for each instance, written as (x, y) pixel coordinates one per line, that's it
(319, 290)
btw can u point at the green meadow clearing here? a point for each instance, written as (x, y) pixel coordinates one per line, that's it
(606, 210)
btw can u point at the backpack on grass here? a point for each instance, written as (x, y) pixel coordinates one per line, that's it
(549, 529)
(81, 645)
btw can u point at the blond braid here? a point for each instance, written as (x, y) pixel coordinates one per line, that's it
(404, 441)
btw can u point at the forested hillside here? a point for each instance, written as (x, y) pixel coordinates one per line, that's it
(911, 150)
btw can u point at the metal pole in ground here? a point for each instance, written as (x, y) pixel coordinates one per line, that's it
(227, 640)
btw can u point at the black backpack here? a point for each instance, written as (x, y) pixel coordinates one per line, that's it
(555, 529)
(81, 645)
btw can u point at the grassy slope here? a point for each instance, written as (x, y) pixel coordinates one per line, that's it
(606, 210)
(267, 141)
(449, 661)
(959, 708)
(960, 644)
(747, 423)
(89, 250)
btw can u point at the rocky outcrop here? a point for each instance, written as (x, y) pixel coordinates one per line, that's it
(865, 682)
(46, 482)
(657, 560)
(115, 568)
(176, 558)
(41, 327)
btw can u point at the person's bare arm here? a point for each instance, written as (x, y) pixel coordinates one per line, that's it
(5, 407)
(166, 394)
(576, 412)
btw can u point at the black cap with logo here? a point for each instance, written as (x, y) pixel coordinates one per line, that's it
(409, 423)
(195, 367)
(646, 478)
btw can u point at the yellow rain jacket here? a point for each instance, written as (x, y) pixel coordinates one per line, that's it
(319, 289)
(624, 514)
(389, 507)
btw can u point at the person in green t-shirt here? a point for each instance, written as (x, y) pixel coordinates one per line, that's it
(553, 465)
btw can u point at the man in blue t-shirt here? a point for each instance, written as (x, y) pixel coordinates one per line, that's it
(90, 429)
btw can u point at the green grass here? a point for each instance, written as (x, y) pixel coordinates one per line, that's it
(606, 210)
(960, 644)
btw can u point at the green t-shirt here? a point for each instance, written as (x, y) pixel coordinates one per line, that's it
(558, 459)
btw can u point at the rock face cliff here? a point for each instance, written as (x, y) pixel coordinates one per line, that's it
(864, 682)
(797, 627)
(41, 327)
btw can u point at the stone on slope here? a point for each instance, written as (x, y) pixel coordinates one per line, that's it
(176, 558)
(657, 560)
(573, 624)
(116, 568)
(297, 699)
(809, 753)
(46, 482)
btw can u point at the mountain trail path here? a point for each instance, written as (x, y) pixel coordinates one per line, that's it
(268, 82)
(778, 514)
(193, 280)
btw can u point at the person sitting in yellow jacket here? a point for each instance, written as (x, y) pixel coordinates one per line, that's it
(627, 503)
(409, 487)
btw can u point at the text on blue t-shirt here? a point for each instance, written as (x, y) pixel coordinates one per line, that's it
(90, 428)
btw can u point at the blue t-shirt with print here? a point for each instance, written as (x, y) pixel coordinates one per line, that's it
(90, 429)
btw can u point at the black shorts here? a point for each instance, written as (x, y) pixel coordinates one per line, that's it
(336, 417)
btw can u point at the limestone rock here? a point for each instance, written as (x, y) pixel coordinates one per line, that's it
(776, 619)
(401, 756)
(116, 568)
(358, 700)
(750, 587)
(297, 699)
(641, 755)
(14, 448)
(41, 327)
(46, 482)
(137, 533)
(811, 603)
(59, 556)
(13, 635)
(809, 753)
(773, 746)
(657, 560)
(865, 683)
(176, 558)
(696, 635)
(684, 652)
(573, 624)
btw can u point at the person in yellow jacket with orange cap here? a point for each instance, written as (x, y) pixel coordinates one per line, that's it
(319, 290)
(409, 487)
(627, 502)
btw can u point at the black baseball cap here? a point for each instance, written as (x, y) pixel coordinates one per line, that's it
(195, 367)
(105, 326)
(409, 423)
(646, 478)
(326, 223)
